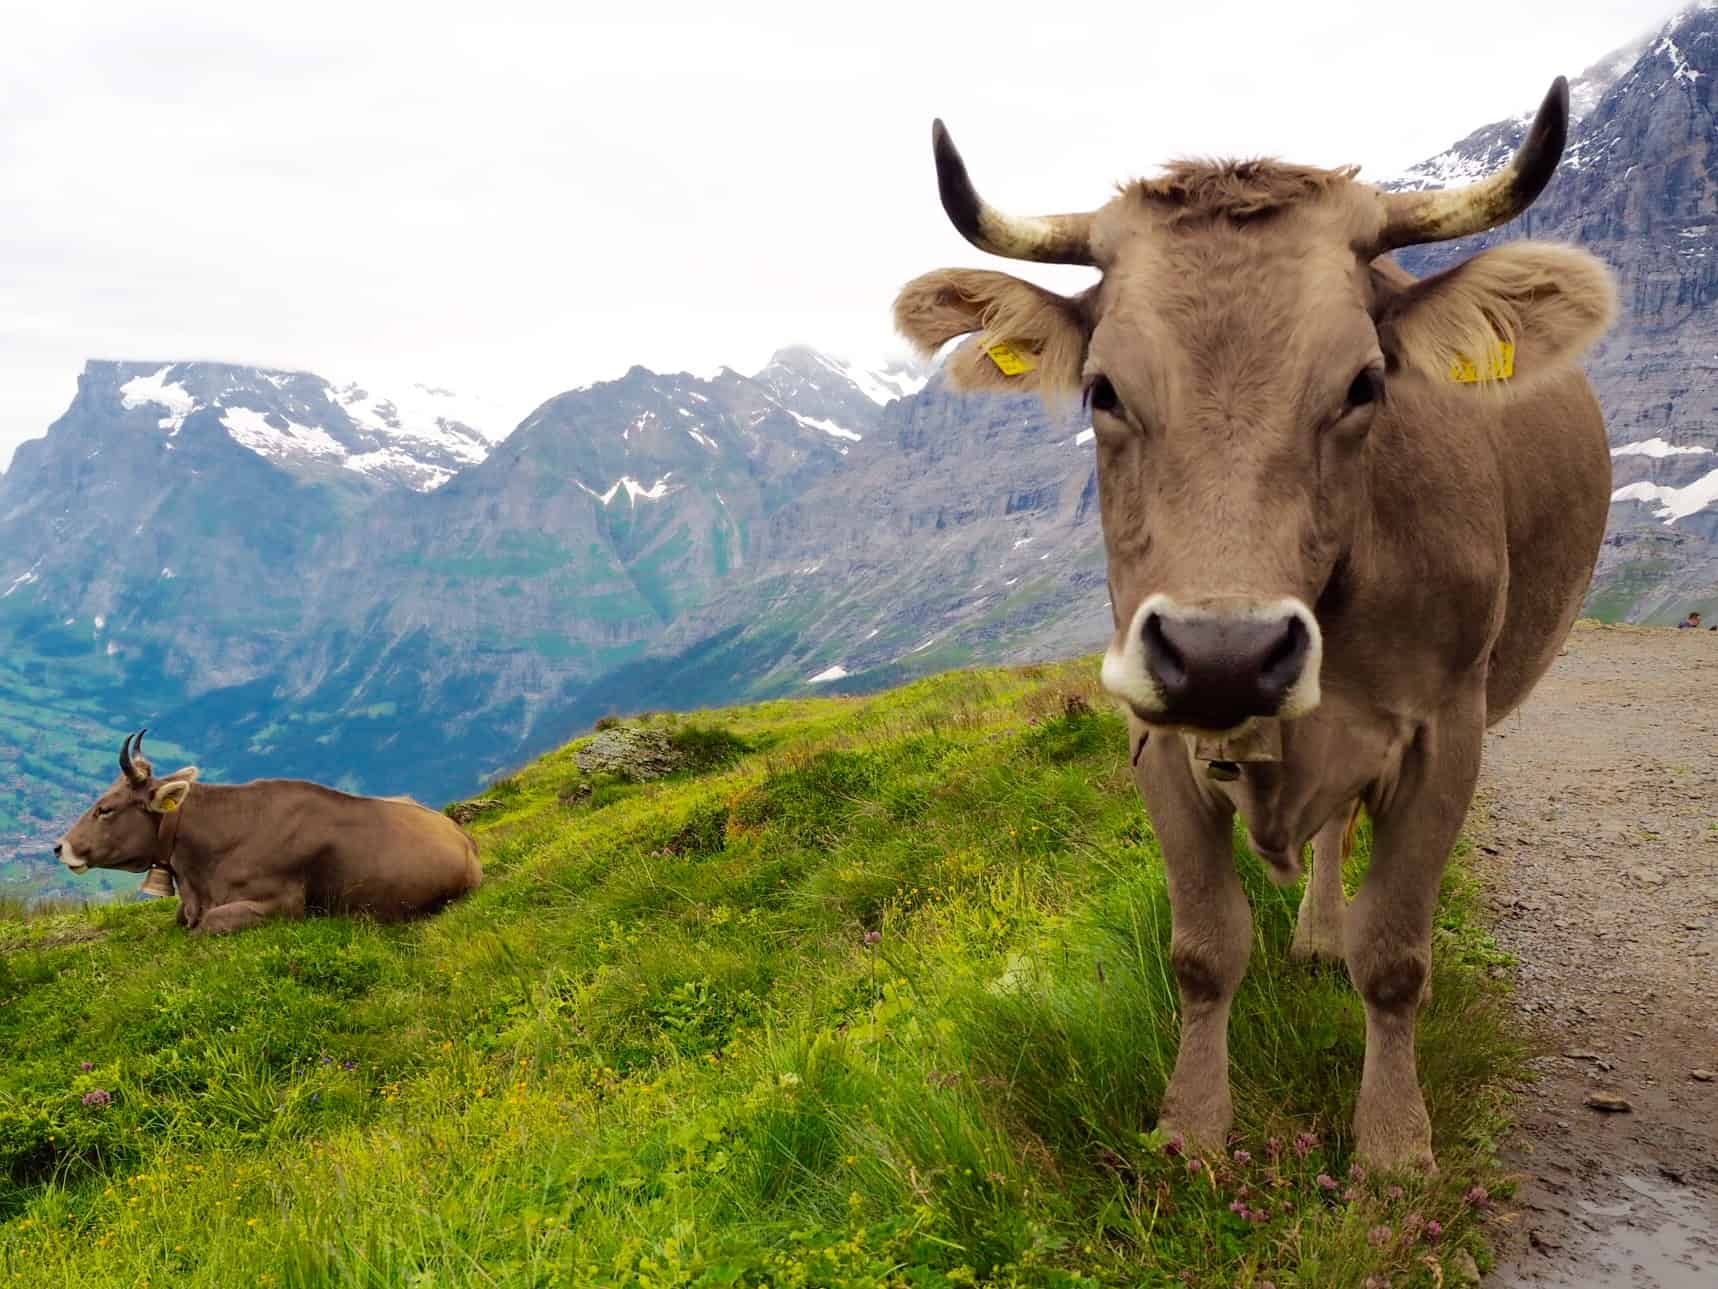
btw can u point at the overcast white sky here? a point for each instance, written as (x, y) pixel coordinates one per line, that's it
(512, 198)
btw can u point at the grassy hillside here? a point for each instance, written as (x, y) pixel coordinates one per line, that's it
(878, 997)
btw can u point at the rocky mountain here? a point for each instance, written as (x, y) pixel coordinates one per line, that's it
(1639, 188)
(283, 574)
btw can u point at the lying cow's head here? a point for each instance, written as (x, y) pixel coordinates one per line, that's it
(1235, 354)
(120, 829)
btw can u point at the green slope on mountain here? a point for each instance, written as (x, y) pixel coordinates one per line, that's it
(876, 992)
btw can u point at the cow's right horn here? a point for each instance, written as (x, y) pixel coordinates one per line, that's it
(1045, 239)
(1441, 214)
(126, 750)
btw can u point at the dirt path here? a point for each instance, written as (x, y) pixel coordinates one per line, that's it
(1600, 803)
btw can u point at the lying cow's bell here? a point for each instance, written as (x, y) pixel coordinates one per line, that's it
(158, 883)
(1223, 771)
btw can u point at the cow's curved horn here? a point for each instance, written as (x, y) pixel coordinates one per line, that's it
(127, 750)
(1046, 239)
(1437, 216)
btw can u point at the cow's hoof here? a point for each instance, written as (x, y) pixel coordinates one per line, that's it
(1311, 951)
(1202, 1129)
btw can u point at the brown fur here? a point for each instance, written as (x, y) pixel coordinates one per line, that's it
(1442, 536)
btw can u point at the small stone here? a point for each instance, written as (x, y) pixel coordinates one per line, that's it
(1610, 1102)
(1702, 1076)
(1647, 876)
(1673, 1173)
(1544, 1241)
(1582, 1056)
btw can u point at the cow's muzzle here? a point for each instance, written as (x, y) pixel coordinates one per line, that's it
(70, 858)
(1216, 664)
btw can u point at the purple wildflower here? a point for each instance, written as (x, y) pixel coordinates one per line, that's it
(1242, 1157)
(1379, 1236)
(1395, 1193)
(1478, 1196)
(1356, 1173)
(1304, 1143)
(1412, 1223)
(1274, 1147)
(101, 1096)
(86, 1066)
(1238, 1206)
(1193, 1165)
(1326, 1182)
(873, 937)
(1434, 1231)
(1174, 1145)
(348, 1065)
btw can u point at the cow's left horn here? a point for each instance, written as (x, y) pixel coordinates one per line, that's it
(1046, 239)
(126, 765)
(1437, 216)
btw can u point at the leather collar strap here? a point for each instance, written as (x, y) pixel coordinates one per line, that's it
(167, 839)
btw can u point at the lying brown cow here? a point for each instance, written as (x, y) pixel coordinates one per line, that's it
(1350, 517)
(276, 847)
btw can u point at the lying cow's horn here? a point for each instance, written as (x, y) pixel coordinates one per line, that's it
(127, 751)
(1437, 216)
(1046, 239)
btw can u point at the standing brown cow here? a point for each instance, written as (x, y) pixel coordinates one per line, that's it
(276, 847)
(1350, 517)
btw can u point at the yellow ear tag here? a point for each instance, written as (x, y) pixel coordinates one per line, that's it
(1502, 365)
(169, 805)
(1009, 360)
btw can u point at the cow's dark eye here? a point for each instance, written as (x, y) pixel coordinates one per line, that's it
(102, 812)
(1367, 388)
(1101, 397)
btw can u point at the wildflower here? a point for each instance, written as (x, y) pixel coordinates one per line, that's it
(1238, 1206)
(1350, 1195)
(1174, 1145)
(1242, 1157)
(1379, 1236)
(1356, 1173)
(873, 937)
(1477, 1196)
(1434, 1231)
(1193, 1165)
(1395, 1193)
(1412, 1223)
(1304, 1144)
(1377, 1282)
(1326, 1182)
(1274, 1147)
(789, 1080)
(99, 1097)
(348, 1065)
(86, 1066)
(251, 1221)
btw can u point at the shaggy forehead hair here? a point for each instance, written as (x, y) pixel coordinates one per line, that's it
(1237, 190)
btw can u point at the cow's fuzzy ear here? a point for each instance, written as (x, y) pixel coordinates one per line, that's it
(169, 795)
(1029, 340)
(186, 772)
(1502, 319)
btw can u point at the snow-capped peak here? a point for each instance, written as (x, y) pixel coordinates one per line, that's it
(156, 390)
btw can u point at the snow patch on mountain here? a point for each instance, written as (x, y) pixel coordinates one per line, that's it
(1657, 448)
(633, 488)
(1673, 503)
(254, 430)
(157, 390)
(828, 427)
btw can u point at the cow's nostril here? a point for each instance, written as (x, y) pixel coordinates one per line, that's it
(1162, 659)
(1282, 666)
(58, 846)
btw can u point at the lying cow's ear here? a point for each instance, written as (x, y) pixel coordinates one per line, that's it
(169, 795)
(1030, 339)
(187, 773)
(1502, 319)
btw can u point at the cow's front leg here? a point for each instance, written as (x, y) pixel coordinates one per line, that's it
(1323, 906)
(1210, 939)
(237, 915)
(1416, 820)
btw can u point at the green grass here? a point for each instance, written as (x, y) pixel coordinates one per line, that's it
(874, 994)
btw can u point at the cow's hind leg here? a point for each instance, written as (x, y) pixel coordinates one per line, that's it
(1323, 906)
(1210, 939)
(1389, 932)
